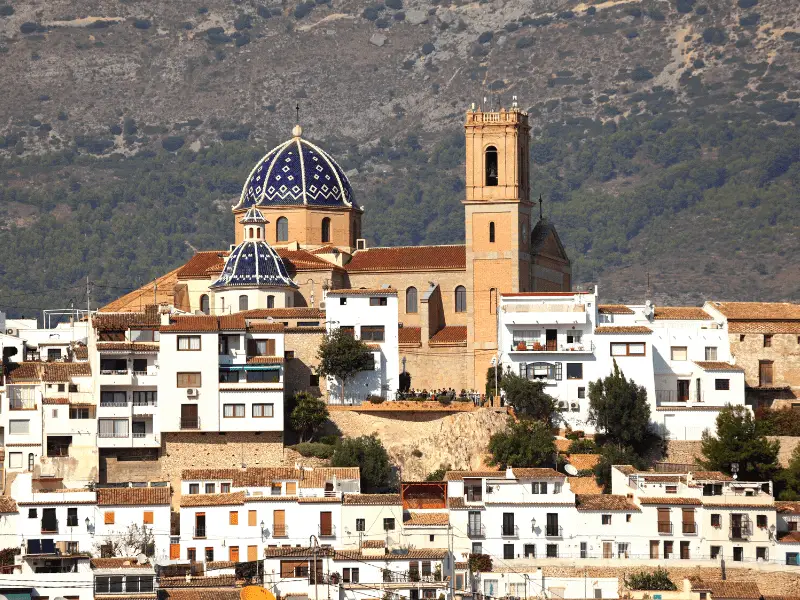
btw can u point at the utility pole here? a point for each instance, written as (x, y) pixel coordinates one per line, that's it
(314, 543)
(88, 301)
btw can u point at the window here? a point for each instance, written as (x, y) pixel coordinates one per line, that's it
(261, 411)
(360, 525)
(112, 428)
(715, 552)
(191, 554)
(282, 229)
(574, 336)
(378, 301)
(326, 230)
(716, 520)
(189, 380)
(194, 488)
(541, 370)
(581, 393)
(388, 524)
(492, 301)
(722, 385)
(508, 551)
(113, 398)
(72, 517)
(761, 521)
(313, 380)
(147, 398)
(226, 376)
(539, 487)
(574, 370)
(350, 575)
(411, 300)
(605, 519)
(764, 373)
(557, 485)
(461, 299)
(372, 333)
(671, 489)
(711, 353)
(30, 461)
(244, 302)
(260, 347)
(685, 551)
(108, 517)
(275, 489)
(188, 342)
(19, 427)
(490, 162)
(477, 547)
(668, 549)
(627, 349)
(235, 411)
(62, 387)
(147, 517)
(767, 340)
(491, 232)
(224, 488)
(233, 517)
(15, 460)
(793, 558)
(209, 554)
(211, 488)
(111, 584)
(262, 376)
(678, 352)
(552, 550)
(270, 301)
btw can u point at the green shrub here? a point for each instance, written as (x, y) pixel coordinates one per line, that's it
(303, 9)
(583, 446)
(6, 10)
(172, 143)
(142, 24)
(427, 48)
(485, 37)
(314, 449)
(394, 4)
(658, 580)
(714, 35)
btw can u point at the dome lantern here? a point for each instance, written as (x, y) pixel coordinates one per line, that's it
(255, 224)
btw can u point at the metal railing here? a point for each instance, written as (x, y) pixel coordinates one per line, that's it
(741, 532)
(280, 531)
(21, 404)
(48, 529)
(665, 527)
(689, 528)
(509, 532)
(113, 403)
(329, 531)
(112, 434)
(114, 371)
(521, 346)
(139, 402)
(672, 396)
(190, 423)
(554, 532)
(199, 531)
(139, 434)
(390, 576)
(476, 531)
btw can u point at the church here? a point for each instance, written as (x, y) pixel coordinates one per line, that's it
(298, 236)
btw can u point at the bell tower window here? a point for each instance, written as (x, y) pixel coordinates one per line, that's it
(282, 229)
(490, 161)
(326, 230)
(461, 299)
(491, 232)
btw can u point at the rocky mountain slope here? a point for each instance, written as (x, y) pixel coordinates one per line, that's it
(664, 143)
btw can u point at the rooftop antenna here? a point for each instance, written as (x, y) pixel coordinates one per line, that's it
(540, 207)
(647, 293)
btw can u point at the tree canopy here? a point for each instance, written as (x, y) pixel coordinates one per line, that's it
(342, 356)
(523, 443)
(528, 398)
(367, 453)
(308, 415)
(619, 409)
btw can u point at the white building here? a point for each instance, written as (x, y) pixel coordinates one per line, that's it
(372, 317)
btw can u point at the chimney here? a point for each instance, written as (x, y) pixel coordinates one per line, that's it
(509, 473)
(164, 319)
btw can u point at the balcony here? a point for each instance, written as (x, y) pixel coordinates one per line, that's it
(199, 531)
(189, 423)
(21, 404)
(476, 530)
(328, 531)
(50, 526)
(552, 347)
(280, 531)
(689, 528)
(678, 398)
(113, 434)
(741, 532)
(555, 531)
(509, 532)
(665, 527)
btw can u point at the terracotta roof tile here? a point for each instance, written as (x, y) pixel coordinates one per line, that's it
(49, 401)
(426, 519)
(234, 499)
(198, 582)
(521, 473)
(64, 372)
(220, 564)
(373, 544)
(681, 313)
(148, 496)
(790, 537)
(733, 590)
(710, 476)
(614, 309)
(197, 266)
(626, 469)
(584, 462)
(458, 503)
(327, 249)
(81, 352)
(200, 594)
(788, 507)
(193, 323)
(262, 327)
(138, 299)
(264, 476)
(147, 318)
(715, 365)
(756, 311)
(126, 347)
(563, 445)
(300, 312)
(409, 336)
(584, 485)
(319, 500)
(303, 260)
(265, 360)
(117, 563)
(413, 553)
(647, 500)
(452, 335)
(623, 329)
(735, 505)
(7, 504)
(372, 499)
(605, 502)
(363, 292)
(764, 326)
(409, 258)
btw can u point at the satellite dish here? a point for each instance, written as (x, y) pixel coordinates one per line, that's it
(570, 469)
(141, 559)
(255, 592)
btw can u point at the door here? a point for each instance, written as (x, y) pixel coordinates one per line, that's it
(49, 521)
(279, 523)
(552, 525)
(738, 554)
(654, 549)
(765, 373)
(189, 418)
(233, 553)
(474, 523)
(508, 524)
(200, 525)
(683, 390)
(607, 550)
(551, 339)
(174, 551)
(326, 523)
(736, 526)
(698, 391)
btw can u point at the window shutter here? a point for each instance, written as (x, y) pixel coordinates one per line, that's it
(291, 488)
(270, 347)
(251, 518)
(234, 517)
(252, 347)
(148, 517)
(108, 517)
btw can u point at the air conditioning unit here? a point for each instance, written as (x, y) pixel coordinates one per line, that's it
(192, 392)
(574, 406)
(562, 405)
(14, 332)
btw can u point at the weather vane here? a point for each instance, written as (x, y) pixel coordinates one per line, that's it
(297, 110)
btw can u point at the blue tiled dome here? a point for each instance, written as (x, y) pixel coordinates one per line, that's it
(297, 172)
(252, 264)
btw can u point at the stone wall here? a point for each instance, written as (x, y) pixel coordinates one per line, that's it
(437, 368)
(458, 440)
(784, 352)
(298, 370)
(679, 451)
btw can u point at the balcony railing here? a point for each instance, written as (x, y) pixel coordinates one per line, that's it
(665, 527)
(139, 402)
(550, 347)
(139, 434)
(114, 403)
(390, 576)
(51, 527)
(193, 423)
(329, 531)
(741, 532)
(689, 528)
(509, 532)
(280, 531)
(112, 434)
(476, 531)
(21, 404)
(114, 371)
(674, 397)
(199, 531)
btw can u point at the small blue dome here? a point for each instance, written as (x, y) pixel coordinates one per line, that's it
(253, 264)
(297, 172)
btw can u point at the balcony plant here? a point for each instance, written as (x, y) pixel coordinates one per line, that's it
(537, 346)
(522, 346)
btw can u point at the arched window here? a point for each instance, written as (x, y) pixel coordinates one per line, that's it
(243, 302)
(270, 301)
(30, 462)
(461, 299)
(205, 307)
(250, 233)
(411, 300)
(491, 232)
(491, 166)
(258, 233)
(282, 229)
(492, 301)
(326, 229)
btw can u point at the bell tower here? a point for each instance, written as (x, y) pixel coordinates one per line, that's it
(497, 211)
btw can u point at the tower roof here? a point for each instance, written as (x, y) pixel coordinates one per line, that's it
(253, 216)
(252, 264)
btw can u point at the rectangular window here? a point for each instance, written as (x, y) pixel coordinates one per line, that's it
(112, 428)
(189, 380)
(715, 552)
(671, 489)
(679, 353)
(605, 519)
(574, 336)
(711, 353)
(508, 551)
(360, 525)
(372, 333)
(349, 330)
(263, 410)
(194, 488)
(263, 376)
(113, 398)
(209, 554)
(79, 413)
(276, 488)
(574, 370)
(226, 376)
(191, 554)
(108, 517)
(526, 336)
(291, 488)
(767, 340)
(552, 550)
(261, 347)
(146, 398)
(668, 546)
(379, 301)
(188, 342)
(235, 411)
(388, 524)
(722, 385)
(685, 551)
(72, 517)
(224, 488)
(19, 427)
(581, 393)
(15, 460)
(761, 521)
(716, 520)
(793, 558)
(627, 349)
(557, 486)
(211, 488)
(761, 553)
(313, 380)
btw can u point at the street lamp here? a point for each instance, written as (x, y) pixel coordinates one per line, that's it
(263, 531)
(735, 470)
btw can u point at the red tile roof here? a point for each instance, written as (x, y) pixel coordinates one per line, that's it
(371, 499)
(373, 544)
(303, 260)
(364, 292)
(265, 360)
(326, 250)
(681, 313)
(520, 473)
(116, 563)
(126, 347)
(584, 462)
(757, 311)
(55, 401)
(264, 476)
(426, 519)
(614, 309)
(55, 372)
(7, 504)
(148, 496)
(791, 507)
(727, 589)
(409, 258)
(604, 502)
(670, 501)
(234, 499)
(197, 267)
(790, 537)
(764, 326)
(452, 335)
(147, 318)
(137, 300)
(713, 365)
(584, 485)
(301, 312)
(710, 476)
(409, 336)
(623, 329)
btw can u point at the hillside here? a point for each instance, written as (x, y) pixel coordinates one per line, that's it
(665, 132)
